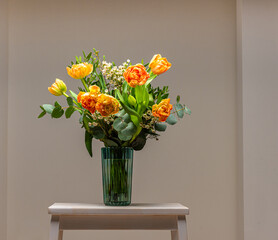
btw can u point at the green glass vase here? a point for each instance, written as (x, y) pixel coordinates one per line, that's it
(117, 164)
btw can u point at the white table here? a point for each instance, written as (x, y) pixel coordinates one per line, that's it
(80, 216)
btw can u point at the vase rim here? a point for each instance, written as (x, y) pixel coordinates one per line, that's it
(118, 148)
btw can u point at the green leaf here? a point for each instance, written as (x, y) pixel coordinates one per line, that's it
(98, 133)
(172, 119)
(56, 104)
(139, 142)
(130, 129)
(109, 143)
(88, 142)
(42, 114)
(159, 98)
(73, 95)
(120, 113)
(119, 124)
(86, 121)
(81, 118)
(48, 108)
(161, 127)
(178, 98)
(179, 110)
(69, 112)
(119, 95)
(124, 137)
(70, 101)
(135, 117)
(102, 81)
(57, 112)
(187, 110)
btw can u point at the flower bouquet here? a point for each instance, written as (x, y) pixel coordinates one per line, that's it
(118, 106)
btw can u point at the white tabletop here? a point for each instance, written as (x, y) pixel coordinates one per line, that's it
(133, 209)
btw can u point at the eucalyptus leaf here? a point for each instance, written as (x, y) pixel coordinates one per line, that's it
(42, 114)
(119, 124)
(70, 110)
(139, 142)
(109, 143)
(161, 127)
(48, 108)
(120, 113)
(172, 119)
(70, 101)
(57, 112)
(124, 137)
(178, 98)
(130, 129)
(187, 110)
(81, 118)
(56, 104)
(179, 110)
(98, 133)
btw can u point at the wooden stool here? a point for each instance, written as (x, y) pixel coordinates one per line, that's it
(79, 216)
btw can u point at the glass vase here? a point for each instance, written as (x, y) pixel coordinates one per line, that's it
(117, 164)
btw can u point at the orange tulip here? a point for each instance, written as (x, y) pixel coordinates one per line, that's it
(81, 70)
(159, 64)
(58, 88)
(107, 105)
(162, 110)
(136, 75)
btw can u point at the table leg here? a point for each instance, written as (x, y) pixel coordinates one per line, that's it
(55, 232)
(181, 233)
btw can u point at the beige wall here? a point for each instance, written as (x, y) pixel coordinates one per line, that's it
(3, 115)
(260, 118)
(193, 163)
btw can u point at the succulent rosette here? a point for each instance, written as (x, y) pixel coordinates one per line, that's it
(117, 104)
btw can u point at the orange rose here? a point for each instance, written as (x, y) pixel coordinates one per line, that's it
(79, 96)
(88, 101)
(162, 110)
(107, 105)
(159, 64)
(81, 70)
(136, 75)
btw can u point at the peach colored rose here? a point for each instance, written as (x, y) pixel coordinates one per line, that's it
(136, 75)
(81, 70)
(159, 64)
(107, 105)
(162, 110)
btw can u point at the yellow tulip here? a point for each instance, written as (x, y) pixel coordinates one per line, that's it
(81, 70)
(58, 88)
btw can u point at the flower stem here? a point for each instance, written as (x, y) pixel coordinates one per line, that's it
(66, 95)
(85, 85)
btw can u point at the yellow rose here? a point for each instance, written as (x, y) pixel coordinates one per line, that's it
(81, 70)
(58, 88)
(159, 64)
